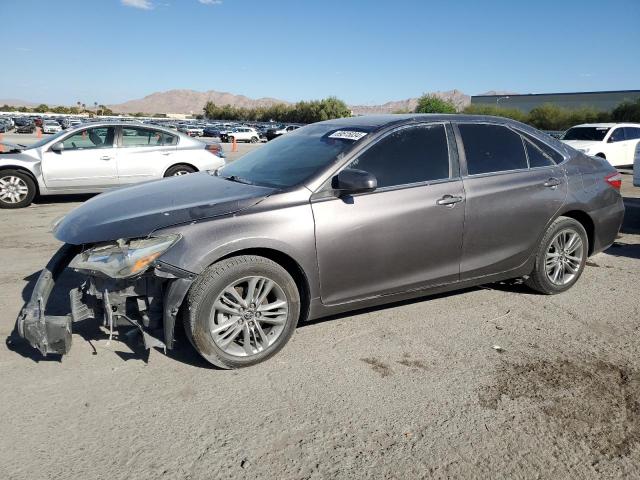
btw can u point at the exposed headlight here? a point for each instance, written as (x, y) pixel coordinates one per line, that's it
(124, 258)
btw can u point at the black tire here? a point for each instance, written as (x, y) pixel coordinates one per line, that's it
(177, 170)
(210, 285)
(26, 180)
(601, 155)
(538, 279)
(254, 140)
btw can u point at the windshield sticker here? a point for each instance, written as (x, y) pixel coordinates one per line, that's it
(348, 135)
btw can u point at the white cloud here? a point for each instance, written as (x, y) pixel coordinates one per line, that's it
(141, 4)
(210, 2)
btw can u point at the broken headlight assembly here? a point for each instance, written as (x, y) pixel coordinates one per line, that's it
(124, 258)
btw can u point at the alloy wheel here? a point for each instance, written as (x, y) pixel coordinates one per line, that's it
(248, 316)
(564, 257)
(13, 189)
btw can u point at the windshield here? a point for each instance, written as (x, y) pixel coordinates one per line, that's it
(44, 140)
(594, 134)
(293, 158)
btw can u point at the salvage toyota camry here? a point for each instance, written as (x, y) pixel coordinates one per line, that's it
(336, 216)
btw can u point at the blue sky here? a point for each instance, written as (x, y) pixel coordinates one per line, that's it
(365, 52)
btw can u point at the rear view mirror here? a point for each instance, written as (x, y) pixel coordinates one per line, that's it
(57, 147)
(351, 180)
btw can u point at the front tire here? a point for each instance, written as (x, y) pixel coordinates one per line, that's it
(561, 257)
(17, 189)
(242, 311)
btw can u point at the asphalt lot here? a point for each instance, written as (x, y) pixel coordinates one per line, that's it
(408, 391)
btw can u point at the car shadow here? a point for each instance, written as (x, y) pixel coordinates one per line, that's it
(53, 199)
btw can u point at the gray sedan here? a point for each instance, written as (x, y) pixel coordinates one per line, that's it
(333, 217)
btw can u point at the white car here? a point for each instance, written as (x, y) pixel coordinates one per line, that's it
(616, 142)
(193, 131)
(636, 166)
(50, 126)
(96, 157)
(242, 134)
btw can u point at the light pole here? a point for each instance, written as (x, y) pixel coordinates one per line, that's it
(501, 98)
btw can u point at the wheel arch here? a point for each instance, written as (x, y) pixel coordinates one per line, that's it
(180, 164)
(289, 264)
(23, 170)
(586, 221)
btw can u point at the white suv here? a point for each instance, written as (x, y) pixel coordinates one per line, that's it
(615, 142)
(243, 134)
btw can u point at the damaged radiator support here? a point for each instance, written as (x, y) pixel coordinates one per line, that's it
(149, 302)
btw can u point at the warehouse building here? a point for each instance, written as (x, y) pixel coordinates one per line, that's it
(602, 101)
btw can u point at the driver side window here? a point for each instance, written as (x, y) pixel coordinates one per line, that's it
(409, 155)
(617, 135)
(101, 137)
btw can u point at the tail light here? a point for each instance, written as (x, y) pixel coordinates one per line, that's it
(215, 148)
(614, 180)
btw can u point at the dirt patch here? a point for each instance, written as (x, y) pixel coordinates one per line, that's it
(377, 366)
(593, 402)
(414, 363)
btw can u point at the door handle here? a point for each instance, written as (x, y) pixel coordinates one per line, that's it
(106, 157)
(552, 183)
(166, 153)
(448, 200)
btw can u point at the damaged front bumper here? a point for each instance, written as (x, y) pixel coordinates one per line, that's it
(150, 302)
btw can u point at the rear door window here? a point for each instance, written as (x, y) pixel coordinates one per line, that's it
(143, 137)
(409, 155)
(492, 148)
(632, 133)
(537, 158)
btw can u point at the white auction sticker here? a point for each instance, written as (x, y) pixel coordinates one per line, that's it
(348, 134)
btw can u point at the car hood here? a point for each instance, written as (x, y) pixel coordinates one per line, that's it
(14, 146)
(581, 144)
(137, 211)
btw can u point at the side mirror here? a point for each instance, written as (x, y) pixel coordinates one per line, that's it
(57, 147)
(351, 180)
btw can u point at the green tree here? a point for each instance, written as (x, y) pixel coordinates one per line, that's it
(496, 111)
(42, 108)
(627, 112)
(432, 104)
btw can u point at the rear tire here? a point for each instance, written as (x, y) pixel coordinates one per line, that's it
(17, 189)
(179, 170)
(231, 334)
(561, 257)
(254, 140)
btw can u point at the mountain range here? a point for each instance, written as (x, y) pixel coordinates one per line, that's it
(192, 102)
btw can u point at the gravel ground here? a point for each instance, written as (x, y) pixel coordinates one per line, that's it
(409, 391)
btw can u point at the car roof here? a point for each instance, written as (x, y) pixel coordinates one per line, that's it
(380, 121)
(609, 125)
(121, 124)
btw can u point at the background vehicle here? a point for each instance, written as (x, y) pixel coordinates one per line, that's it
(615, 142)
(636, 167)
(95, 157)
(337, 216)
(281, 130)
(5, 126)
(51, 126)
(193, 131)
(241, 134)
(25, 125)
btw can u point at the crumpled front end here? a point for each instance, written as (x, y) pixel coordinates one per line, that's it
(149, 301)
